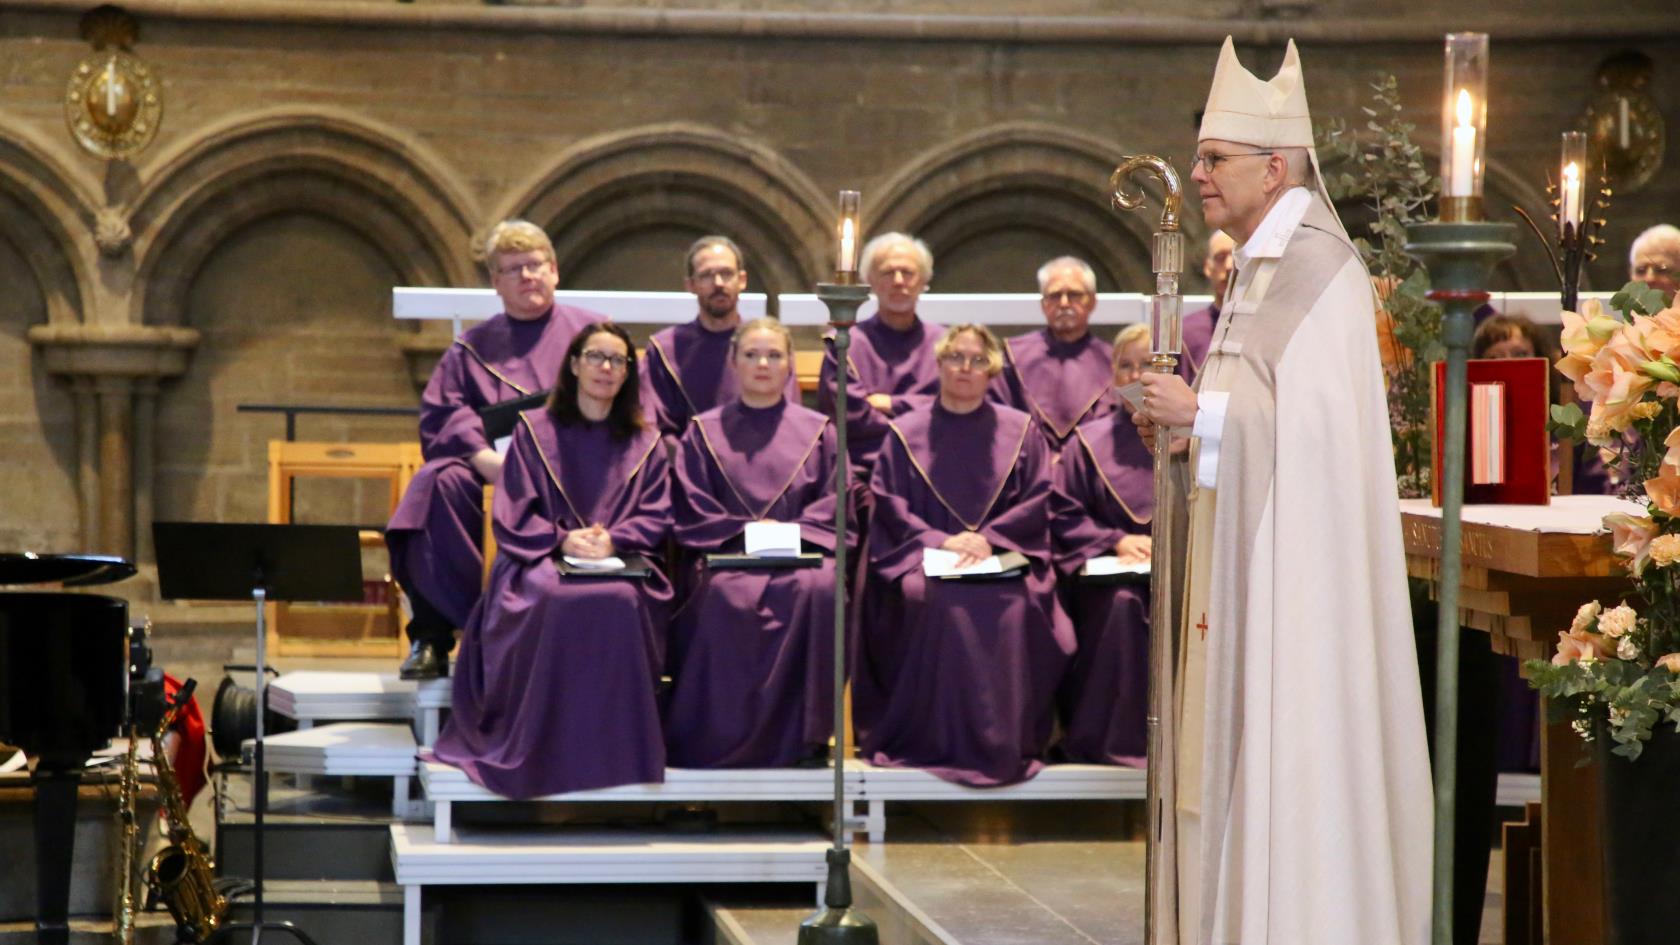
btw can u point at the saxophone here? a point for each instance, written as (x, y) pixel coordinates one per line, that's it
(128, 899)
(182, 875)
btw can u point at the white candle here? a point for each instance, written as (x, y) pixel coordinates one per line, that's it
(848, 246)
(1569, 211)
(111, 89)
(1462, 183)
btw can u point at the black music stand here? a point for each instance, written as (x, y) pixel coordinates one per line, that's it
(259, 563)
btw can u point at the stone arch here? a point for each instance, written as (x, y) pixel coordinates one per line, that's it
(686, 175)
(41, 199)
(1022, 175)
(377, 181)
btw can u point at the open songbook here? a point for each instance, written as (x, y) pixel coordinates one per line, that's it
(1108, 569)
(768, 545)
(942, 563)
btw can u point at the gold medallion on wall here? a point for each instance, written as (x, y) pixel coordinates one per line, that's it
(1624, 123)
(113, 101)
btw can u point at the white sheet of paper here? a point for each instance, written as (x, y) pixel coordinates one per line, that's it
(502, 443)
(609, 563)
(773, 539)
(942, 562)
(1104, 565)
(1133, 393)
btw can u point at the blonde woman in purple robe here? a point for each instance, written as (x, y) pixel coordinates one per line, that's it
(752, 652)
(959, 676)
(561, 660)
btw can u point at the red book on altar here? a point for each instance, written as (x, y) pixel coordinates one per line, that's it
(1507, 451)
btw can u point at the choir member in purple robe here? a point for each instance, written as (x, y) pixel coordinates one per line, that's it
(1198, 325)
(891, 368)
(556, 685)
(685, 371)
(959, 676)
(1061, 374)
(1101, 507)
(435, 534)
(752, 651)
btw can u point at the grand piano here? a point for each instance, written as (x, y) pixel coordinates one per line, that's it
(63, 685)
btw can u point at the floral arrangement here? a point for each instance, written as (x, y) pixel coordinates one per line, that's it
(1621, 664)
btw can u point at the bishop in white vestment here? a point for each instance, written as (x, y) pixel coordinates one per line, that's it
(1304, 806)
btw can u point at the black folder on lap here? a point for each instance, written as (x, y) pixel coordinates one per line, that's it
(1014, 566)
(501, 417)
(746, 562)
(635, 567)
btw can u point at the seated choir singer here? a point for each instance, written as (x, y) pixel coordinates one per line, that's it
(959, 676)
(555, 689)
(1101, 509)
(434, 534)
(752, 651)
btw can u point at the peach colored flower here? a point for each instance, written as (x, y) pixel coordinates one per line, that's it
(1582, 647)
(1665, 550)
(1617, 622)
(1664, 333)
(1585, 616)
(1672, 457)
(1583, 335)
(1670, 662)
(1668, 391)
(1646, 410)
(1664, 491)
(1626, 649)
(1631, 535)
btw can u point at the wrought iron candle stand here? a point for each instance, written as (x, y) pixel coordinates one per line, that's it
(839, 922)
(1460, 257)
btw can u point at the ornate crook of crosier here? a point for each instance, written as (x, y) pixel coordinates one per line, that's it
(1125, 199)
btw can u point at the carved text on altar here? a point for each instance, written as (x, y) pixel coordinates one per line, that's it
(1425, 537)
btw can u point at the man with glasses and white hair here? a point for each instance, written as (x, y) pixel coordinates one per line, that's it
(686, 369)
(1303, 808)
(1059, 374)
(891, 368)
(1654, 259)
(434, 536)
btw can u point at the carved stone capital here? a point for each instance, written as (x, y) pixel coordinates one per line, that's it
(111, 232)
(129, 351)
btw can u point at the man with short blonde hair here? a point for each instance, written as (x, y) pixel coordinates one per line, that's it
(435, 532)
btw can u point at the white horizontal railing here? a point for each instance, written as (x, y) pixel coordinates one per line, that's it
(948, 308)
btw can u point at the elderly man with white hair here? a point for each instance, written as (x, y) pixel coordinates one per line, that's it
(891, 368)
(1059, 374)
(1303, 808)
(1654, 258)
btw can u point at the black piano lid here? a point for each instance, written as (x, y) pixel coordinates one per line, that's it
(72, 570)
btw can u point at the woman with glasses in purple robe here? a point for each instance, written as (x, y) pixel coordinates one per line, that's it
(561, 659)
(958, 676)
(1101, 509)
(752, 649)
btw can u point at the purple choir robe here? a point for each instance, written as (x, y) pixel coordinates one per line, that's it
(555, 685)
(1062, 385)
(752, 651)
(959, 677)
(435, 534)
(1104, 491)
(882, 360)
(685, 372)
(1197, 337)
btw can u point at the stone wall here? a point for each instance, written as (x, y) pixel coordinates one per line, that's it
(313, 154)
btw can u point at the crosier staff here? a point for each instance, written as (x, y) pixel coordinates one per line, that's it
(1160, 908)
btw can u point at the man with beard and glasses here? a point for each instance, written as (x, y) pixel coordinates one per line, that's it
(686, 369)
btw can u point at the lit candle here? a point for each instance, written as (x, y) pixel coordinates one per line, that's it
(1462, 183)
(1569, 212)
(847, 261)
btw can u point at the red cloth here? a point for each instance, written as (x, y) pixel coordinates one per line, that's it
(189, 757)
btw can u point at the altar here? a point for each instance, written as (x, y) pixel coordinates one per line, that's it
(1526, 570)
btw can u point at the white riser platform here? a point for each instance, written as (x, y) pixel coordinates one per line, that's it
(493, 857)
(315, 696)
(349, 749)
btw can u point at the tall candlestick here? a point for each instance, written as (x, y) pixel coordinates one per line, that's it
(847, 259)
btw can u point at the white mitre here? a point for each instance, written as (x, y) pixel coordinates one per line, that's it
(1244, 109)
